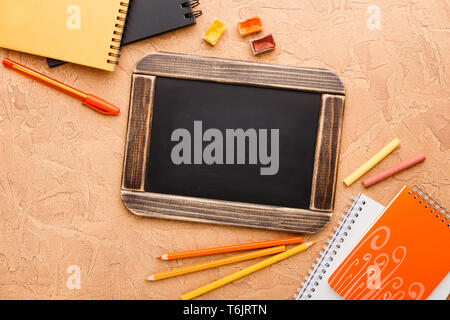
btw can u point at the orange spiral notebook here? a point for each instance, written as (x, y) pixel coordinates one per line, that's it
(404, 255)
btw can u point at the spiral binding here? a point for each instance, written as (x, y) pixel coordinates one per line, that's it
(194, 14)
(429, 203)
(192, 3)
(117, 35)
(333, 246)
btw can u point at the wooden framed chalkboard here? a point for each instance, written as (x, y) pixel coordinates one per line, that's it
(232, 142)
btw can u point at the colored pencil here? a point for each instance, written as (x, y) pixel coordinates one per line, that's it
(216, 263)
(393, 170)
(230, 248)
(372, 162)
(242, 273)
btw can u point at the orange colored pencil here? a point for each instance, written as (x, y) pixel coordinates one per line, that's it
(230, 248)
(216, 263)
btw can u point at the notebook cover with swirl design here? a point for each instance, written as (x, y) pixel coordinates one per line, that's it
(404, 255)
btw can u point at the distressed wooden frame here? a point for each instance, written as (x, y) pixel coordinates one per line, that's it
(138, 141)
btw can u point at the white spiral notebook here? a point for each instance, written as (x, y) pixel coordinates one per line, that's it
(363, 212)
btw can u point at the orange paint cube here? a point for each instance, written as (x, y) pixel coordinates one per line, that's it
(250, 26)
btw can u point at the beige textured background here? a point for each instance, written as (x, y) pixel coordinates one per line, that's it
(61, 163)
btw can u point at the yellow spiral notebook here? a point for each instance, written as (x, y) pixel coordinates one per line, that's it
(86, 32)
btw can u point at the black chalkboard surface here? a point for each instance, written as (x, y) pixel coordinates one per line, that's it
(232, 142)
(178, 103)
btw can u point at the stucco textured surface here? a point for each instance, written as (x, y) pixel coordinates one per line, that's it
(61, 163)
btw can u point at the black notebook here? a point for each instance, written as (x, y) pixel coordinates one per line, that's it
(147, 18)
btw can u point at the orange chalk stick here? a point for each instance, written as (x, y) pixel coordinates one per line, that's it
(393, 170)
(231, 248)
(250, 26)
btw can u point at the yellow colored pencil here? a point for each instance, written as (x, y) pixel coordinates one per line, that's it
(372, 162)
(216, 263)
(242, 273)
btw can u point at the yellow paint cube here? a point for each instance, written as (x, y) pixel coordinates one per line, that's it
(214, 32)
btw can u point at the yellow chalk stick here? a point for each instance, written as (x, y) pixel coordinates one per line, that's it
(372, 162)
(214, 32)
(242, 273)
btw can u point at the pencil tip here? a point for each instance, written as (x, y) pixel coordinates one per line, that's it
(164, 257)
(309, 244)
(150, 278)
(159, 258)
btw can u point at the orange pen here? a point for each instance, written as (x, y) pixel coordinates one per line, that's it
(89, 100)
